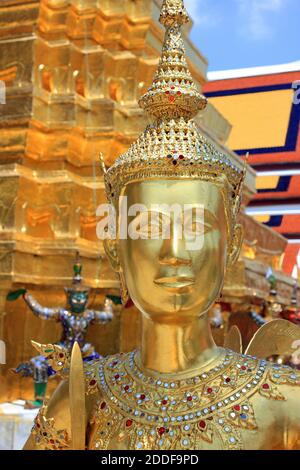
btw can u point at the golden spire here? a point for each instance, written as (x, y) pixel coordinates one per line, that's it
(173, 93)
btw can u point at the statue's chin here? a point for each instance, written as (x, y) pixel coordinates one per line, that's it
(77, 310)
(176, 309)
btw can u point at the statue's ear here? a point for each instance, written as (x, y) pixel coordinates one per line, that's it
(236, 244)
(110, 247)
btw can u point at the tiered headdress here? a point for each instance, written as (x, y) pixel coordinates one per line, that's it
(77, 285)
(172, 147)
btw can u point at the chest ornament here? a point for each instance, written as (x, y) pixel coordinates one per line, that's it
(151, 413)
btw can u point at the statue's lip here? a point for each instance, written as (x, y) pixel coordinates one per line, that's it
(175, 282)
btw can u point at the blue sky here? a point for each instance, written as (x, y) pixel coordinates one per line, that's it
(246, 33)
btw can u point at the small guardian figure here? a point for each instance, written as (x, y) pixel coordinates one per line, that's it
(75, 319)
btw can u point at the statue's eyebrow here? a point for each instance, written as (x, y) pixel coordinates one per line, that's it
(149, 212)
(211, 218)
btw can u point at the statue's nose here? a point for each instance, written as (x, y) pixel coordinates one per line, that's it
(173, 251)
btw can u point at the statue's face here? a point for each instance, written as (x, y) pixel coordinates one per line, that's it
(171, 276)
(78, 301)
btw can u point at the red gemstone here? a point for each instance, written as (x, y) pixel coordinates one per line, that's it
(126, 388)
(237, 408)
(167, 92)
(61, 355)
(227, 380)
(93, 382)
(129, 423)
(161, 431)
(202, 425)
(51, 441)
(189, 398)
(165, 402)
(244, 368)
(209, 390)
(181, 157)
(115, 363)
(117, 376)
(142, 397)
(266, 386)
(172, 88)
(172, 98)
(179, 93)
(103, 405)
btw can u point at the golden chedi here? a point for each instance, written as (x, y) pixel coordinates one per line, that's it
(179, 391)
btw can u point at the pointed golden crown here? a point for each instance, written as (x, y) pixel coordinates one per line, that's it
(172, 147)
(173, 93)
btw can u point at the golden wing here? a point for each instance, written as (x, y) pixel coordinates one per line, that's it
(77, 399)
(233, 340)
(278, 337)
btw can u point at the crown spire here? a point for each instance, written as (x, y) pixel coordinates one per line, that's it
(173, 11)
(173, 93)
(172, 146)
(77, 284)
(77, 270)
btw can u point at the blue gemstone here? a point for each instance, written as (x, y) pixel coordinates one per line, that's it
(244, 416)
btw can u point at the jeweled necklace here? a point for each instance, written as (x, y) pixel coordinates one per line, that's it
(163, 381)
(190, 409)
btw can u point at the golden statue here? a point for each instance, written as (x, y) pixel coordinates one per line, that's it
(179, 391)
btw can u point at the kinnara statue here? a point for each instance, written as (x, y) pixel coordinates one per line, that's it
(178, 390)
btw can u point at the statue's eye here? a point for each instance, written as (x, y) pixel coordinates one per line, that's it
(196, 228)
(149, 225)
(157, 225)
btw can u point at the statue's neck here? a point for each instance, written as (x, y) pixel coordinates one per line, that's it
(170, 348)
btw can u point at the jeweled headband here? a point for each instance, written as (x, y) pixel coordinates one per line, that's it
(172, 147)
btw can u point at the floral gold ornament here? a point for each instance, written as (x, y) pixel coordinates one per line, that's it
(46, 436)
(179, 391)
(57, 357)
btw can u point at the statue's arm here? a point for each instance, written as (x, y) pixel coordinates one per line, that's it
(102, 317)
(105, 315)
(42, 312)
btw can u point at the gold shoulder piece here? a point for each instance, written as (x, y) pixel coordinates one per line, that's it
(233, 340)
(77, 399)
(57, 356)
(45, 436)
(274, 338)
